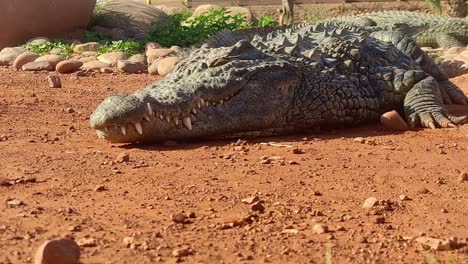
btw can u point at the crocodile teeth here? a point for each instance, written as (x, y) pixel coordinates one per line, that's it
(202, 102)
(161, 116)
(168, 119)
(176, 121)
(99, 135)
(139, 128)
(199, 105)
(221, 102)
(187, 123)
(106, 129)
(150, 110)
(146, 118)
(226, 98)
(194, 111)
(123, 129)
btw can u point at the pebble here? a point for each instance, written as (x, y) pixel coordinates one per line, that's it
(379, 220)
(14, 203)
(166, 65)
(251, 200)
(123, 157)
(100, 188)
(404, 197)
(68, 66)
(128, 241)
(54, 81)
(179, 218)
(320, 228)
(54, 59)
(9, 54)
(359, 140)
(423, 191)
(463, 176)
(94, 65)
(58, 251)
(182, 252)
(297, 151)
(112, 58)
(434, 243)
(138, 58)
(370, 202)
(130, 67)
(393, 121)
(39, 66)
(90, 46)
(24, 58)
(70, 110)
(257, 207)
(86, 242)
(106, 70)
(362, 239)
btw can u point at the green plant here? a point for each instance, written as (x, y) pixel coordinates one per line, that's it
(267, 21)
(316, 18)
(46, 47)
(90, 36)
(435, 6)
(129, 47)
(183, 30)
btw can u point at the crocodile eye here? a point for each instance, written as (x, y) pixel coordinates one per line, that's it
(218, 62)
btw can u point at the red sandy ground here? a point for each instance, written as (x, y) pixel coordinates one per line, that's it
(55, 162)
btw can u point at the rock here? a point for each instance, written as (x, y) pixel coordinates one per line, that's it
(463, 176)
(177, 49)
(404, 197)
(70, 110)
(88, 59)
(152, 45)
(153, 68)
(107, 70)
(179, 218)
(58, 251)
(182, 252)
(154, 54)
(392, 120)
(14, 203)
(89, 54)
(123, 157)
(118, 34)
(320, 228)
(129, 67)
(128, 241)
(100, 188)
(258, 207)
(38, 41)
(55, 59)
(90, 46)
(251, 199)
(86, 242)
(94, 65)
(39, 66)
(203, 8)
(138, 58)
(166, 65)
(379, 220)
(9, 54)
(434, 243)
(55, 51)
(359, 140)
(54, 81)
(170, 9)
(370, 202)
(23, 58)
(249, 17)
(297, 151)
(112, 58)
(68, 66)
(423, 190)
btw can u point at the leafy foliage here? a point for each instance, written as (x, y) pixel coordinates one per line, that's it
(129, 47)
(183, 30)
(267, 21)
(46, 47)
(90, 36)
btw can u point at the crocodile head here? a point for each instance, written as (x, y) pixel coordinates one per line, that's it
(214, 92)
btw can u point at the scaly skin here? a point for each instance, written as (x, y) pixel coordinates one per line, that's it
(428, 30)
(271, 82)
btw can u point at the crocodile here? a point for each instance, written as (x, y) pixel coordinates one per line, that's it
(427, 29)
(267, 82)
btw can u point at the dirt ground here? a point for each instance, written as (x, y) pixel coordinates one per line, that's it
(58, 179)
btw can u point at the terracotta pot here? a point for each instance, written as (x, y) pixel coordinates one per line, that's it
(21, 20)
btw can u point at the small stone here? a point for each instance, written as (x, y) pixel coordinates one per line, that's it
(182, 252)
(463, 176)
(58, 251)
(423, 191)
(192, 215)
(123, 157)
(4, 183)
(38, 66)
(89, 59)
(179, 218)
(434, 243)
(9, 54)
(362, 239)
(100, 188)
(297, 151)
(106, 70)
(68, 66)
(86, 242)
(138, 58)
(94, 65)
(258, 207)
(70, 110)
(393, 121)
(24, 58)
(130, 67)
(15, 203)
(128, 241)
(112, 58)
(90, 46)
(404, 197)
(54, 59)
(54, 81)
(166, 65)
(320, 228)
(359, 140)
(74, 228)
(251, 200)
(379, 220)
(370, 202)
